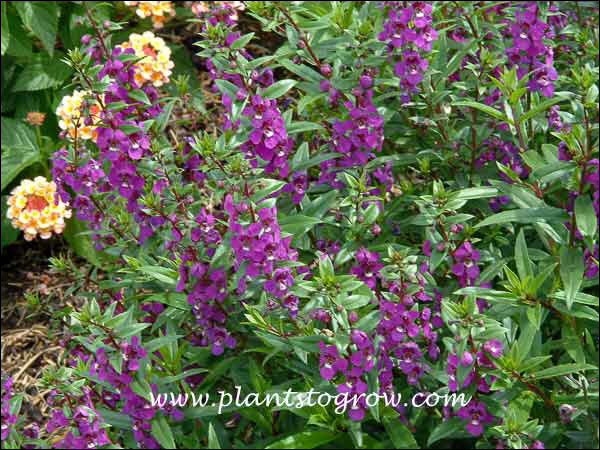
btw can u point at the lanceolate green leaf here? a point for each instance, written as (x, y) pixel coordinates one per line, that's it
(531, 215)
(278, 89)
(486, 109)
(305, 439)
(563, 369)
(5, 30)
(571, 272)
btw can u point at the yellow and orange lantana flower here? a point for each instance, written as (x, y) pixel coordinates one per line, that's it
(156, 65)
(34, 209)
(72, 115)
(159, 12)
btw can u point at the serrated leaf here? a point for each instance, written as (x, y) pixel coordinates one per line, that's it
(41, 17)
(19, 149)
(43, 75)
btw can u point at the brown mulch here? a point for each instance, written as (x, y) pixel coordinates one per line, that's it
(30, 341)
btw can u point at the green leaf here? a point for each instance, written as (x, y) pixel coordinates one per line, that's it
(522, 257)
(163, 119)
(5, 30)
(325, 267)
(241, 42)
(474, 193)
(540, 108)
(571, 272)
(130, 129)
(454, 428)
(162, 432)
(531, 215)
(297, 224)
(399, 434)
(457, 59)
(534, 314)
(140, 96)
(116, 419)
(270, 186)
(486, 109)
(41, 17)
(162, 274)
(354, 301)
(304, 439)
(216, 373)
(278, 89)
(302, 71)
(19, 149)
(80, 241)
(572, 344)
(303, 165)
(213, 441)
(530, 363)
(42, 75)
(563, 369)
(488, 294)
(525, 341)
(323, 203)
(156, 343)
(9, 234)
(227, 87)
(300, 127)
(540, 278)
(587, 222)
(580, 297)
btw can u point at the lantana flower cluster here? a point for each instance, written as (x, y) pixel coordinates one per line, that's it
(78, 114)
(35, 208)
(210, 219)
(156, 66)
(159, 11)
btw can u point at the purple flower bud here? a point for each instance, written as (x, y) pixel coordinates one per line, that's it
(366, 82)
(326, 70)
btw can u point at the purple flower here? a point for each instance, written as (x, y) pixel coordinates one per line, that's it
(476, 415)
(330, 362)
(465, 264)
(494, 347)
(368, 267)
